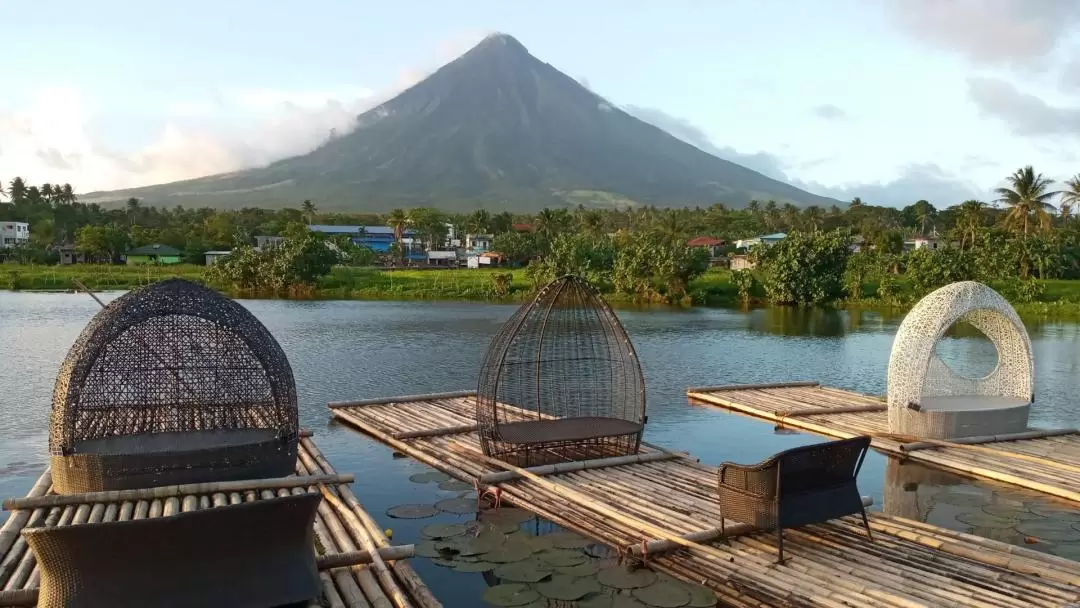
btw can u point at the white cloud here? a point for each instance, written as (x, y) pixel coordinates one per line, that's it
(48, 138)
(1023, 113)
(1003, 32)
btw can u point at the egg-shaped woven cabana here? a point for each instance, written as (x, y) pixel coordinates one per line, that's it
(561, 381)
(172, 383)
(929, 399)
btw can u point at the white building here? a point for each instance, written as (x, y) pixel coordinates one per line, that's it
(14, 233)
(213, 256)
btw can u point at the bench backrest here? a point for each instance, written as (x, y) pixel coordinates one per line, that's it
(254, 554)
(819, 466)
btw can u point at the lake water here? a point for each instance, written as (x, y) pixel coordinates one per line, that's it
(350, 349)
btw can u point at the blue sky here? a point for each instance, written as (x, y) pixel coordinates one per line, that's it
(890, 100)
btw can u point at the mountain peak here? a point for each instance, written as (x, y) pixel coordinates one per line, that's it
(500, 42)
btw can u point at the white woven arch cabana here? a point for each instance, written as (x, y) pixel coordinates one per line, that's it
(928, 399)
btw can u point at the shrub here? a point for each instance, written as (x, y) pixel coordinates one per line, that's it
(804, 268)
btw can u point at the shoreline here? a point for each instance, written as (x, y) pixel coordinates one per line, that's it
(712, 290)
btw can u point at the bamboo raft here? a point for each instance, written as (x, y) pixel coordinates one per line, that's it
(1046, 461)
(358, 566)
(662, 507)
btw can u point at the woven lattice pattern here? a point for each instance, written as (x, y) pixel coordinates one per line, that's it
(917, 374)
(167, 369)
(561, 380)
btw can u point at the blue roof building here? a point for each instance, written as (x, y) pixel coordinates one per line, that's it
(377, 238)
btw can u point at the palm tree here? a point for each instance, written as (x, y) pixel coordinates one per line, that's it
(17, 190)
(3, 192)
(1070, 198)
(67, 193)
(814, 217)
(47, 192)
(397, 220)
(1027, 198)
(970, 219)
(132, 209)
(479, 222)
(308, 208)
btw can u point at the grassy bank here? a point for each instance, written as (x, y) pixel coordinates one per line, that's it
(1060, 298)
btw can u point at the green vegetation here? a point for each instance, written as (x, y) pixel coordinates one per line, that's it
(1027, 249)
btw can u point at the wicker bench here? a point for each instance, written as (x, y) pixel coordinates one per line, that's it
(797, 487)
(255, 554)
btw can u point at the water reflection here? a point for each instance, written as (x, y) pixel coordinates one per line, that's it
(1002, 513)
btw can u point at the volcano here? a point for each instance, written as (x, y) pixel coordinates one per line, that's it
(495, 128)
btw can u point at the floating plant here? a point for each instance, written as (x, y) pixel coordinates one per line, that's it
(429, 477)
(568, 588)
(512, 594)
(619, 577)
(412, 511)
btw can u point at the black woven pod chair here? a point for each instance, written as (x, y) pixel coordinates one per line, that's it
(172, 383)
(561, 381)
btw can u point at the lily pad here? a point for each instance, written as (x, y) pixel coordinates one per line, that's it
(453, 485)
(610, 601)
(412, 511)
(569, 540)
(537, 543)
(502, 527)
(1049, 530)
(460, 506)
(562, 557)
(962, 499)
(981, 519)
(588, 568)
(528, 571)
(508, 514)
(508, 553)
(480, 566)
(621, 578)
(700, 596)
(443, 530)
(513, 594)
(663, 594)
(429, 477)
(1016, 512)
(1054, 511)
(567, 588)
(427, 548)
(445, 563)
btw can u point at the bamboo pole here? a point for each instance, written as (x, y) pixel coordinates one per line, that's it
(19, 597)
(446, 430)
(580, 465)
(403, 399)
(55, 500)
(404, 571)
(353, 558)
(850, 409)
(386, 579)
(1032, 434)
(702, 536)
(749, 387)
(16, 521)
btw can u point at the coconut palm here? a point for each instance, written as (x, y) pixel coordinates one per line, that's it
(970, 218)
(1070, 197)
(814, 217)
(1027, 199)
(132, 209)
(397, 220)
(308, 208)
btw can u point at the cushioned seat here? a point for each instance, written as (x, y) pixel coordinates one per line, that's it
(566, 429)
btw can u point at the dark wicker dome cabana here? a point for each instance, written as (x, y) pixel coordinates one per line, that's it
(561, 381)
(172, 383)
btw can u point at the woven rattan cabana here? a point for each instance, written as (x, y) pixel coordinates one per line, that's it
(172, 383)
(929, 399)
(561, 381)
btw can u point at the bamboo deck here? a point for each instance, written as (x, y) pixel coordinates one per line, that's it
(668, 498)
(341, 527)
(1048, 464)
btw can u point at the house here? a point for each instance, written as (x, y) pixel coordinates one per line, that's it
(13, 234)
(767, 239)
(857, 243)
(213, 256)
(478, 243)
(377, 238)
(713, 245)
(267, 242)
(741, 262)
(69, 255)
(523, 228)
(154, 254)
(442, 258)
(922, 242)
